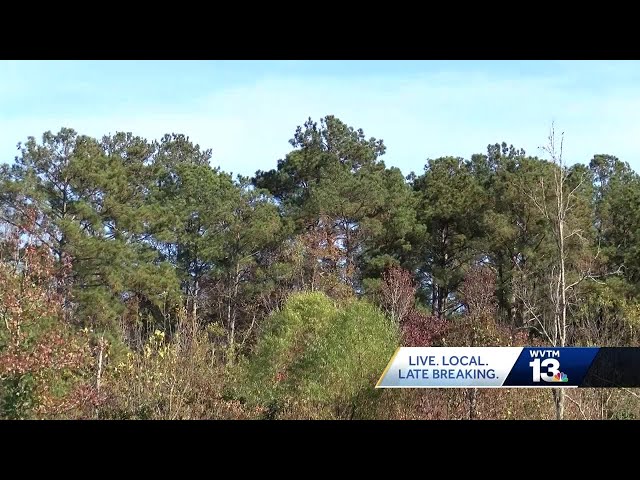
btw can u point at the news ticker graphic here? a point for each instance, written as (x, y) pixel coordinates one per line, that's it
(508, 367)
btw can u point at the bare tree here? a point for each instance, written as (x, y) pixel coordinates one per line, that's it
(478, 296)
(555, 204)
(398, 293)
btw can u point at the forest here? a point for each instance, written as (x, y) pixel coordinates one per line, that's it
(139, 281)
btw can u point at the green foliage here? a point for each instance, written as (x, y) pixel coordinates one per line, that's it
(91, 208)
(451, 205)
(148, 239)
(617, 214)
(317, 354)
(607, 313)
(334, 179)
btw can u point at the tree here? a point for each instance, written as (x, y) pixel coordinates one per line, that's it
(248, 241)
(45, 365)
(560, 204)
(316, 149)
(198, 207)
(398, 293)
(617, 194)
(478, 294)
(514, 232)
(334, 180)
(89, 200)
(389, 233)
(450, 211)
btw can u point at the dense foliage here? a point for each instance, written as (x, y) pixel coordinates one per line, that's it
(317, 355)
(137, 280)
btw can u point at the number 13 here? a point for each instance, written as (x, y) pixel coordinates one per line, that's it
(552, 366)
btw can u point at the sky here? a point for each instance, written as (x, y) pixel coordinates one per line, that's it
(246, 111)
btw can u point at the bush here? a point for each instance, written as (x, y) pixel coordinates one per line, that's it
(318, 359)
(177, 379)
(45, 364)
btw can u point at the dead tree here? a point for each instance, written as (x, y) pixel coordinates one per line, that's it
(555, 204)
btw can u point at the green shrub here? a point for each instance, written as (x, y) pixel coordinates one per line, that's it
(318, 359)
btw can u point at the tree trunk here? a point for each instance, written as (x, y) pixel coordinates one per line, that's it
(231, 315)
(563, 290)
(559, 397)
(558, 400)
(513, 309)
(442, 302)
(473, 397)
(434, 297)
(194, 306)
(473, 393)
(232, 333)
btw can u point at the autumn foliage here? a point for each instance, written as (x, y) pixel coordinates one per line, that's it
(418, 328)
(45, 363)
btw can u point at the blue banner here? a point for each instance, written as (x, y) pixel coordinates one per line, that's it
(551, 367)
(507, 367)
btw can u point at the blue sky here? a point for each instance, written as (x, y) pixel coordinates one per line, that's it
(246, 111)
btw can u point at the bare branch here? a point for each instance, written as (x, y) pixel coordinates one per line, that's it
(630, 392)
(584, 416)
(248, 332)
(577, 232)
(536, 318)
(575, 189)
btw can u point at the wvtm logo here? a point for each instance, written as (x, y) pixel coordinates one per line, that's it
(546, 367)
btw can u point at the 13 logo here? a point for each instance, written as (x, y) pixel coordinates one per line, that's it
(547, 370)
